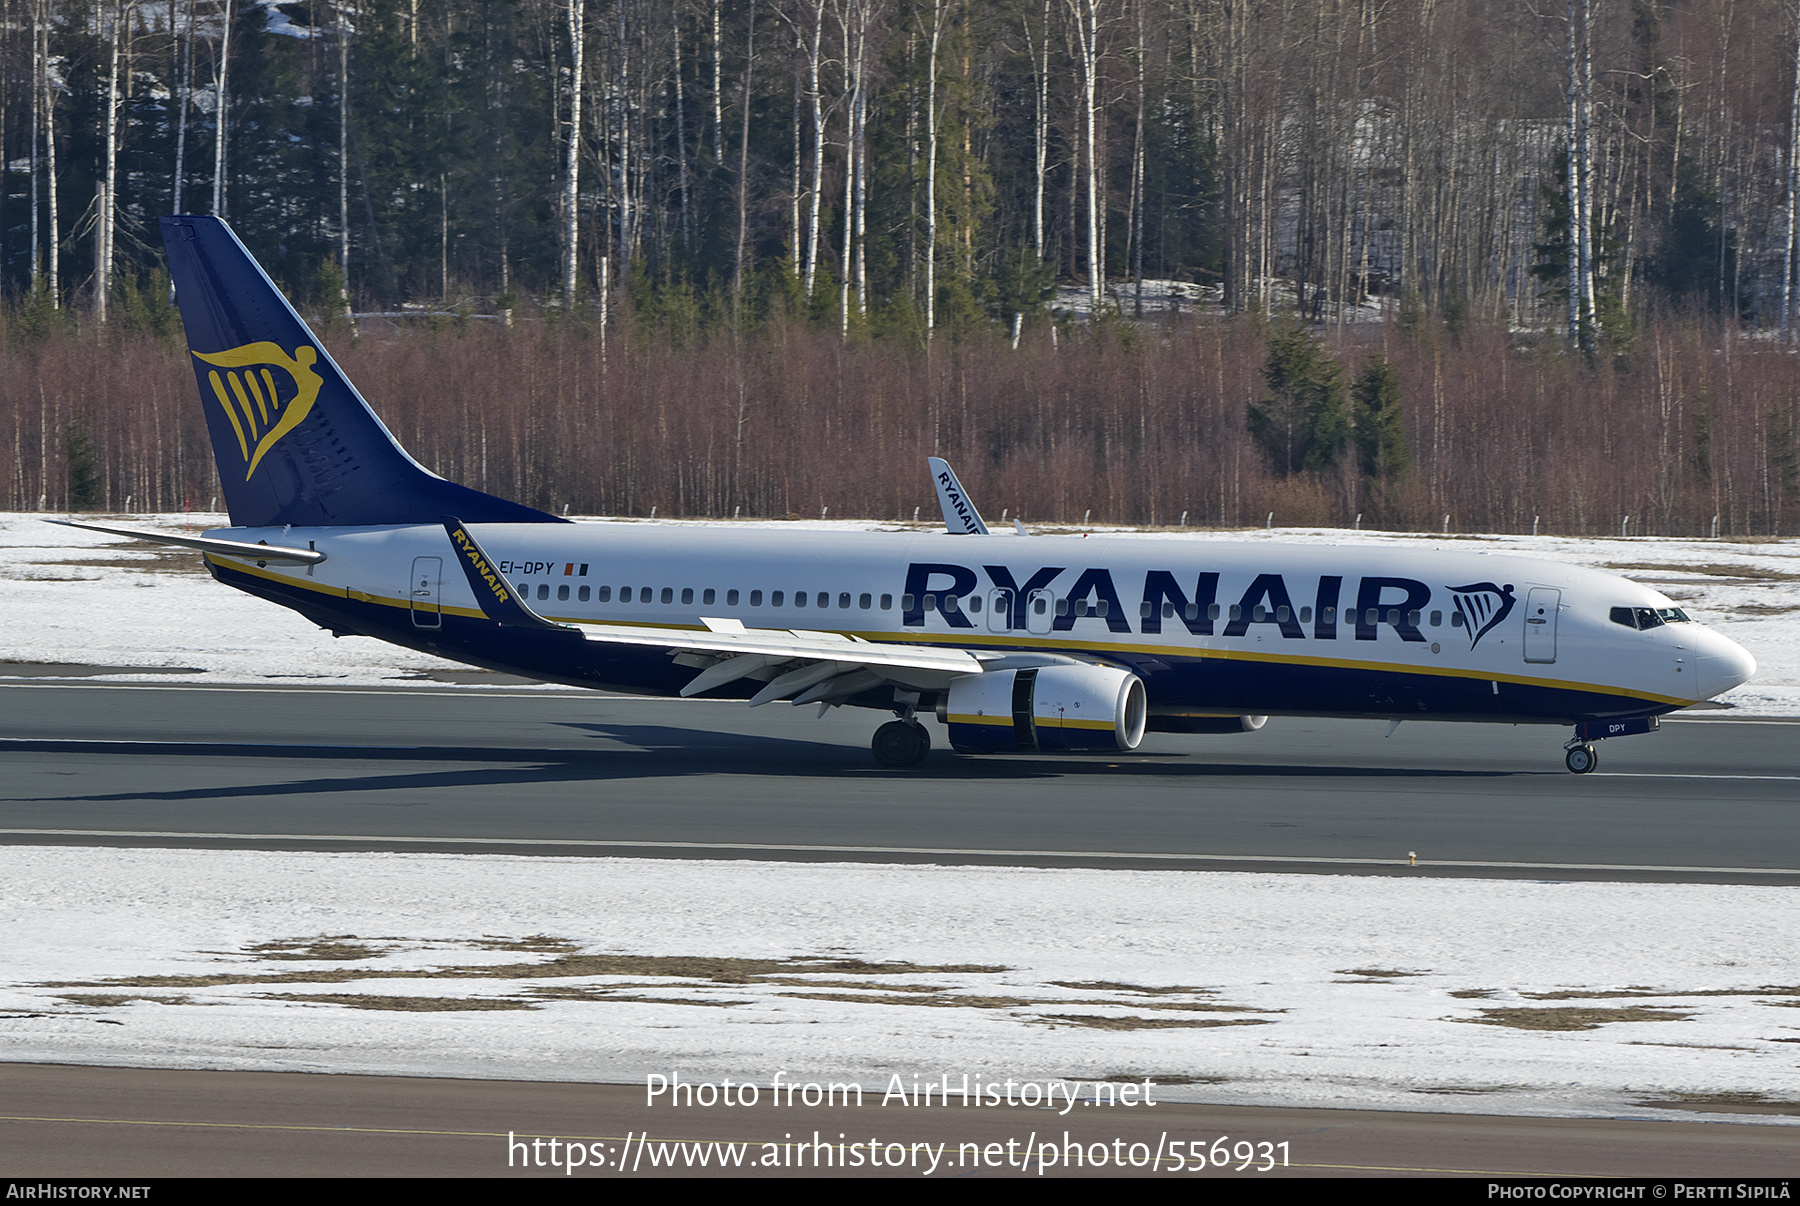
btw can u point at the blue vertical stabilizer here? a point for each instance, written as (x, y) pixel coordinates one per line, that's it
(293, 440)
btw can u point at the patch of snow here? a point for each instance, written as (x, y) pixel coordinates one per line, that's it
(1368, 992)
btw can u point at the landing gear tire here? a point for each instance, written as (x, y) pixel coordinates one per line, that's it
(900, 743)
(1581, 759)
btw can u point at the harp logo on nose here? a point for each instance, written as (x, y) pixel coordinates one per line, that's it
(264, 393)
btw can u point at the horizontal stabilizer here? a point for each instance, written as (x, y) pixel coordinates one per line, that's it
(218, 548)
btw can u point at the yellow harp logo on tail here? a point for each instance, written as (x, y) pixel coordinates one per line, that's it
(263, 408)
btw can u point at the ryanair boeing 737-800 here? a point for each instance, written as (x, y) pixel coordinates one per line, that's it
(1016, 642)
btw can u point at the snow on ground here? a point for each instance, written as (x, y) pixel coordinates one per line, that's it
(78, 597)
(1374, 992)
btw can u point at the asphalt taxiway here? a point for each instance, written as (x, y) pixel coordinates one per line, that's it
(562, 772)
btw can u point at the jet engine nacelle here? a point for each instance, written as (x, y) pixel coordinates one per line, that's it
(1045, 708)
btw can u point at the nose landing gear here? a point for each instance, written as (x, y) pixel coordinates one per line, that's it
(1580, 758)
(1578, 752)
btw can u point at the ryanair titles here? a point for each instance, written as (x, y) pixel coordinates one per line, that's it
(482, 568)
(1040, 604)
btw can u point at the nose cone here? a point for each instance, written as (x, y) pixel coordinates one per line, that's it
(1720, 664)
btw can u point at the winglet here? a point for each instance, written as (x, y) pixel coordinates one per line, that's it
(498, 601)
(960, 515)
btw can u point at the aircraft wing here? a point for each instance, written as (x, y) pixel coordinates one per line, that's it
(814, 667)
(811, 666)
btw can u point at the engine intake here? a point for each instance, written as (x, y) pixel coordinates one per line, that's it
(1045, 708)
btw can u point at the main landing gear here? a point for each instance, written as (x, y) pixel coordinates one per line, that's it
(901, 743)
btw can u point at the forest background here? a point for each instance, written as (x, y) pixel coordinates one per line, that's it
(1476, 264)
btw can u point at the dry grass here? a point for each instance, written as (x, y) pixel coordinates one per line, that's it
(1118, 986)
(1095, 1022)
(712, 969)
(401, 1004)
(1525, 1018)
(103, 1000)
(343, 947)
(1770, 990)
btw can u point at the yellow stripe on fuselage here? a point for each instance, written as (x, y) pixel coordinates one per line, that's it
(1028, 642)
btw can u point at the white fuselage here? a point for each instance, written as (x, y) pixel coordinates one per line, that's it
(1259, 627)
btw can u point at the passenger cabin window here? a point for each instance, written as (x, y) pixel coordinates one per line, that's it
(775, 598)
(756, 598)
(562, 593)
(543, 590)
(624, 594)
(605, 594)
(863, 601)
(707, 598)
(582, 594)
(668, 595)
(731, 598)
(844, 600)
(887, 602)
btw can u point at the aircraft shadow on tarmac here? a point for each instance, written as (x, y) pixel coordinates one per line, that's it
(662, 752)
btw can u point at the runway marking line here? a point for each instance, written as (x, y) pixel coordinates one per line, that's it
(372, 1130)
(775, 848)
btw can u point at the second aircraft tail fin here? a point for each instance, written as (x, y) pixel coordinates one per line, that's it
(960, 515)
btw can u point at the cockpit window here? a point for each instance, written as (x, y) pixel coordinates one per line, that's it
(1644, 618)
